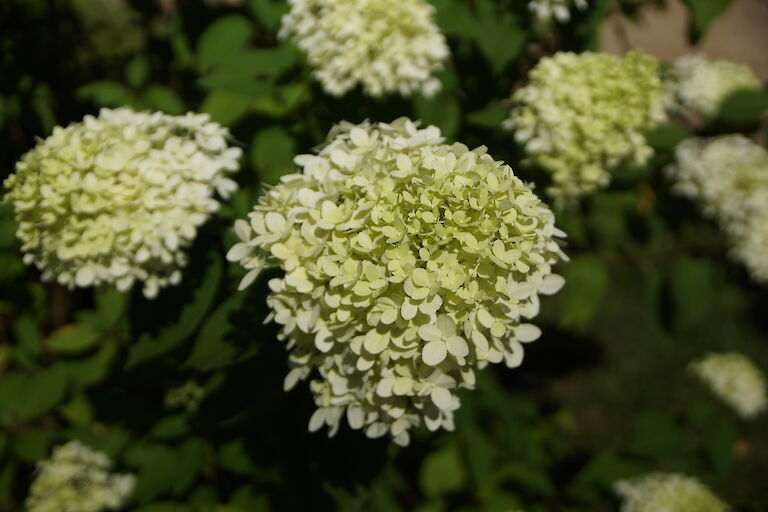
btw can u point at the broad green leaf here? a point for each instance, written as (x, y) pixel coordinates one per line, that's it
(156, 466)
(656, 436)
(137, 71)
(586, 283)
(269, 12)
(111, 305)
(744, 106)
(24, 397)
(442, 110)
(190, 458)
(28, 344)
(498, 35)
(31, 444)
(73, 338)
(272, 153)
(221, 39)
(694, 291)
(211, 350)
(234, 457)
(703, 13)
(225, 107)
(666, 137)
(176, 328)
(92, 369)
(281, 101)
(491, 117)
(442, 472)
(169, 427)
(165, 99)
(106, 93)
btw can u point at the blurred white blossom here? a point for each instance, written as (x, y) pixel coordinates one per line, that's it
(700, 85)
(386, 47)
(667, 492)
(117, 198)
(735, 380)
(77, 478)
(557, 9)
(187, 396)
(408, 264)
(728, 176)
(582, 115)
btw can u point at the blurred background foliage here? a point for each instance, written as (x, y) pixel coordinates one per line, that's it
(603, 395)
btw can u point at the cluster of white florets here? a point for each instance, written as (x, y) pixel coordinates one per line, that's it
(735, 380)
(667, 492)
(728, 176)
(408, 264)
(78, 479)
(116, 198)
(582, 115)
(557, 9)
(386, 47)
(700, 85)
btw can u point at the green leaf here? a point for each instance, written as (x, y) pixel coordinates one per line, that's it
(656, 436)
(666, 137)
(111, 304)
(156, 466)
(31, 444)
(272, 153)
(491, 117)
(281, 101)
(442, 472)
(164, 506)
(744, 106)
(160, 97)
(73, 338)
(176, 329)
(703, 13)
(106, 93)
(586, 283)
(250, 65)
(87, 371)
(498, 35)
(211, 350)
(442, 110)
(190, 458)
(269, 13)
(137, 71)
(28, 340)
(24, 397)
(694, 291)
(221, 39)
(225, 107)
(169, 427)
(234, 457)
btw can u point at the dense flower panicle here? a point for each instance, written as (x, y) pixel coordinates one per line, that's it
(116, 198)
(408, 264)
(187, 396)
(582, 115)
(735, 380)
(386, 47)
(78, 479)
(557, 9)
(700, 85)
(667, 492)
(728, 176)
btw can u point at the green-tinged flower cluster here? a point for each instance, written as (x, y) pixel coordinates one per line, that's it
(700, 85)
(557, 9)
(116, 198)
(408, 264)
(735, 380)
(77, 479)
(187, 396)
(386, 47)
(667, 492)
(728, 176)
(582, 115)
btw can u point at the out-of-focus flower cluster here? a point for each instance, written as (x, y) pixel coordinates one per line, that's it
(667, 492)
(110, 28)
(187, 396)
(77, 478)
(700, 85)
(557, 9)
(728, 176)
(408, 264)
(735, 380)
(116, 198)
(386, 47)
(582, 115)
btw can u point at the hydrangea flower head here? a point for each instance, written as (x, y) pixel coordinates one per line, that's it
(582, 115)
(728, 176)
(700, 84)
(78, 479)
(408, 264)
(557, 9)
(386, 47)
(667, 492)
(735, 380)
(115, 199)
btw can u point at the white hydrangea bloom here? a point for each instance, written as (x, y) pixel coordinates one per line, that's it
(735, 380)
(115, 199)
(557, 9)
(386, 47)
(408, 264)
(700, 84)
(77, 479)
(582, 115)
(728, 176)
(667, 492)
